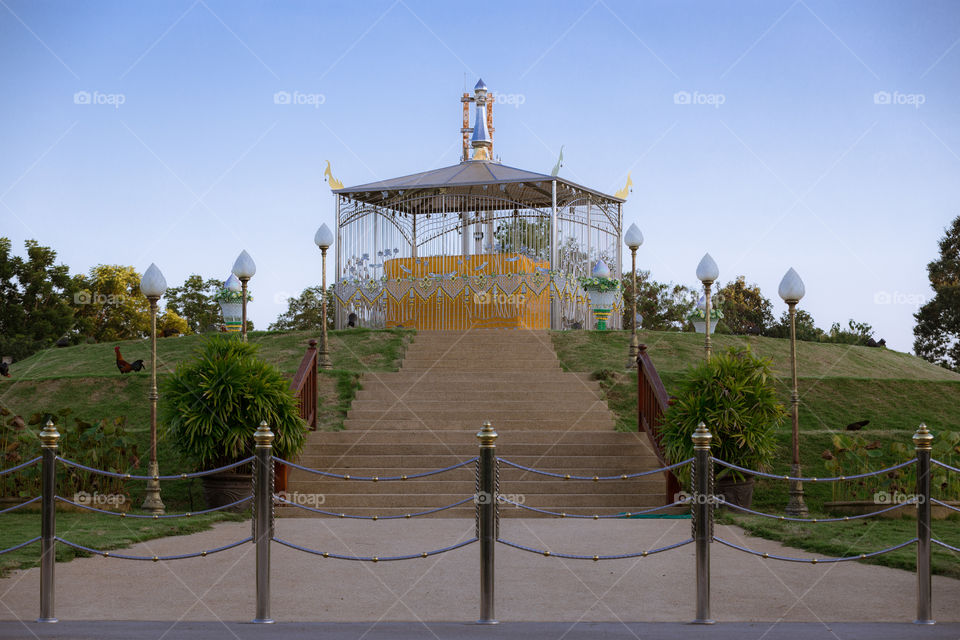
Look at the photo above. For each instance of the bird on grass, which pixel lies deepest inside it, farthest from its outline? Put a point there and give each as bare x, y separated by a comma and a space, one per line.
127, 367
4, 369
856, 426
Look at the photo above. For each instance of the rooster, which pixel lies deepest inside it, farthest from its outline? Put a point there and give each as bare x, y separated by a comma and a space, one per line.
4, 369
127, 367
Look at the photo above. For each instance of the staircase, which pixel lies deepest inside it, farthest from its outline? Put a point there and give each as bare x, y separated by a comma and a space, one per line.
426, 415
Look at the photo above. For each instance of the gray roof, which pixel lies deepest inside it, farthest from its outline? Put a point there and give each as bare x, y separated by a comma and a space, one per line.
474, 177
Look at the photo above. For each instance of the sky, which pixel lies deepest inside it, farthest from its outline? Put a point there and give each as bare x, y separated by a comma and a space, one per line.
822, 136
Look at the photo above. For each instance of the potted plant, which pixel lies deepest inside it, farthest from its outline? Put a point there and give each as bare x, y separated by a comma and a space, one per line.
230, 297
211, 407
733, 393
699, 317
602, 290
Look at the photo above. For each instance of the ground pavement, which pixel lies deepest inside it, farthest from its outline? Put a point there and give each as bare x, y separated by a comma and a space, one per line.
529, 587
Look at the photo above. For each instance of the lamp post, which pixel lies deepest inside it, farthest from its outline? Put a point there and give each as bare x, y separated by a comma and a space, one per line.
792, 290
707, 273
633, 239
323, 239
153, 285
244, 268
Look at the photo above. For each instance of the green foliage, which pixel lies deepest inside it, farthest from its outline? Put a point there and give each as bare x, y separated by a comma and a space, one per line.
211, 406
745, 309
806, 328
194, 302
305, 312
110, 306
853, 454
664, 306
35, 300
858, 333
104, 444
937, 333
735, 395
595, 283
169, 323
523, 236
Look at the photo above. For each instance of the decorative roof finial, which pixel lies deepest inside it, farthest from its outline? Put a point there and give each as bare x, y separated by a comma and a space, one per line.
481, 141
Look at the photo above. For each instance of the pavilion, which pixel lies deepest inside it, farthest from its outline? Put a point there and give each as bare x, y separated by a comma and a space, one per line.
475, 245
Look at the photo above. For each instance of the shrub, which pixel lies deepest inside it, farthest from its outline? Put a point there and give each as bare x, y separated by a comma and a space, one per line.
735, 396
212, 404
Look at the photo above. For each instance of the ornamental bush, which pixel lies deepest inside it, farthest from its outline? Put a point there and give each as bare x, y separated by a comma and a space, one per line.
211, 406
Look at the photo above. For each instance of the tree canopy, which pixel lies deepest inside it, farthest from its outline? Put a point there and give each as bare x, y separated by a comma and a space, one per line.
937, 332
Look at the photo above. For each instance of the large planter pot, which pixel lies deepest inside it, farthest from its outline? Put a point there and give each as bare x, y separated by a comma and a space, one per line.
861, 507
222, 488
736, 493
232, 315
701, 325
602, 303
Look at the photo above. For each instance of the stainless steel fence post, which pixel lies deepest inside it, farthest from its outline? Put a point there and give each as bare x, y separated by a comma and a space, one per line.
486, 502
263, 518
923, 442
49, 437
702, 518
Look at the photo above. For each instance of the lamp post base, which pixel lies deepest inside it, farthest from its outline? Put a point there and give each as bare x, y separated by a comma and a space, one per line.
796, 507
323, 360
152, 501
634, 351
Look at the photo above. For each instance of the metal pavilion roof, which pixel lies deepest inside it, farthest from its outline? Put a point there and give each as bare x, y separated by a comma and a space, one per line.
471, 178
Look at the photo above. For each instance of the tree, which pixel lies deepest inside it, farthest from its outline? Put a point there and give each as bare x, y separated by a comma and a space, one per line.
745, 309
169, 323
35, 297
937, 333
807, 329
305, 312
193, 301
858, 333
664, 306
109, 304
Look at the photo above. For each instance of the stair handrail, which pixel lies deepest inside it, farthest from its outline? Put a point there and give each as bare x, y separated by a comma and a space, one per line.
304, 386
652, 403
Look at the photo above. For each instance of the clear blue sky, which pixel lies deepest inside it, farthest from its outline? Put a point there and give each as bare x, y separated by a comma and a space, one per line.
799, 166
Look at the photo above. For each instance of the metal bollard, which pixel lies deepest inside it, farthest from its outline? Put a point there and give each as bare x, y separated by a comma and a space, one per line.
49, 437
263, 518
923, 442
702, 518
486, 501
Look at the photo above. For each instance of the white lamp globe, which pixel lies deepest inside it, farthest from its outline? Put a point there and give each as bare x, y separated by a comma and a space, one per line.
633, 237
244, 268
323, 237
232, 284
153, 284
707, 270
791, 287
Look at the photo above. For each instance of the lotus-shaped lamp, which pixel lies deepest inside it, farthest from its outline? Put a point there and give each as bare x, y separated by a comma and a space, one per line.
633, 237
244, 268
153, 284
707, 270
791, 287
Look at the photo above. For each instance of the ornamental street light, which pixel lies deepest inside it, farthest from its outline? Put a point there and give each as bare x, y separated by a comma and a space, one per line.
244, 268
323, 239
707, 273
633, 239
153, 285
792, 291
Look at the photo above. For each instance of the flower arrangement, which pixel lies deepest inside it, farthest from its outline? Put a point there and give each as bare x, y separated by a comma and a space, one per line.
599, 283
228, 296
698, 314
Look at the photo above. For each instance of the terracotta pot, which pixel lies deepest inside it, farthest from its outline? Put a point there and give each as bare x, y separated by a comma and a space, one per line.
738, 493
226, 487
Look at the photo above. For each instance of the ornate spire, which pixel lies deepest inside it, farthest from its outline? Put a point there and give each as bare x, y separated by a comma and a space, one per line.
481, 141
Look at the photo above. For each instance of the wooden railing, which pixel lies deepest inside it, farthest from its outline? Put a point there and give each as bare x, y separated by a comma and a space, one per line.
304, 386
652, 402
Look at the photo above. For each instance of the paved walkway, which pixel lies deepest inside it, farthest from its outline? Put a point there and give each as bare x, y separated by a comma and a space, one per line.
530, 587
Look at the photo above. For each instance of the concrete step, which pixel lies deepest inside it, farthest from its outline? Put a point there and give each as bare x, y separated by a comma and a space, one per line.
468, 450
469, 436
552, 424
595, 410
467, 511
407, 502
607, 464
303, 483
466, 397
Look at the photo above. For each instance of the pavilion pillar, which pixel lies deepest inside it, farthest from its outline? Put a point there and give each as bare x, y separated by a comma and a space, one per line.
555, 312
